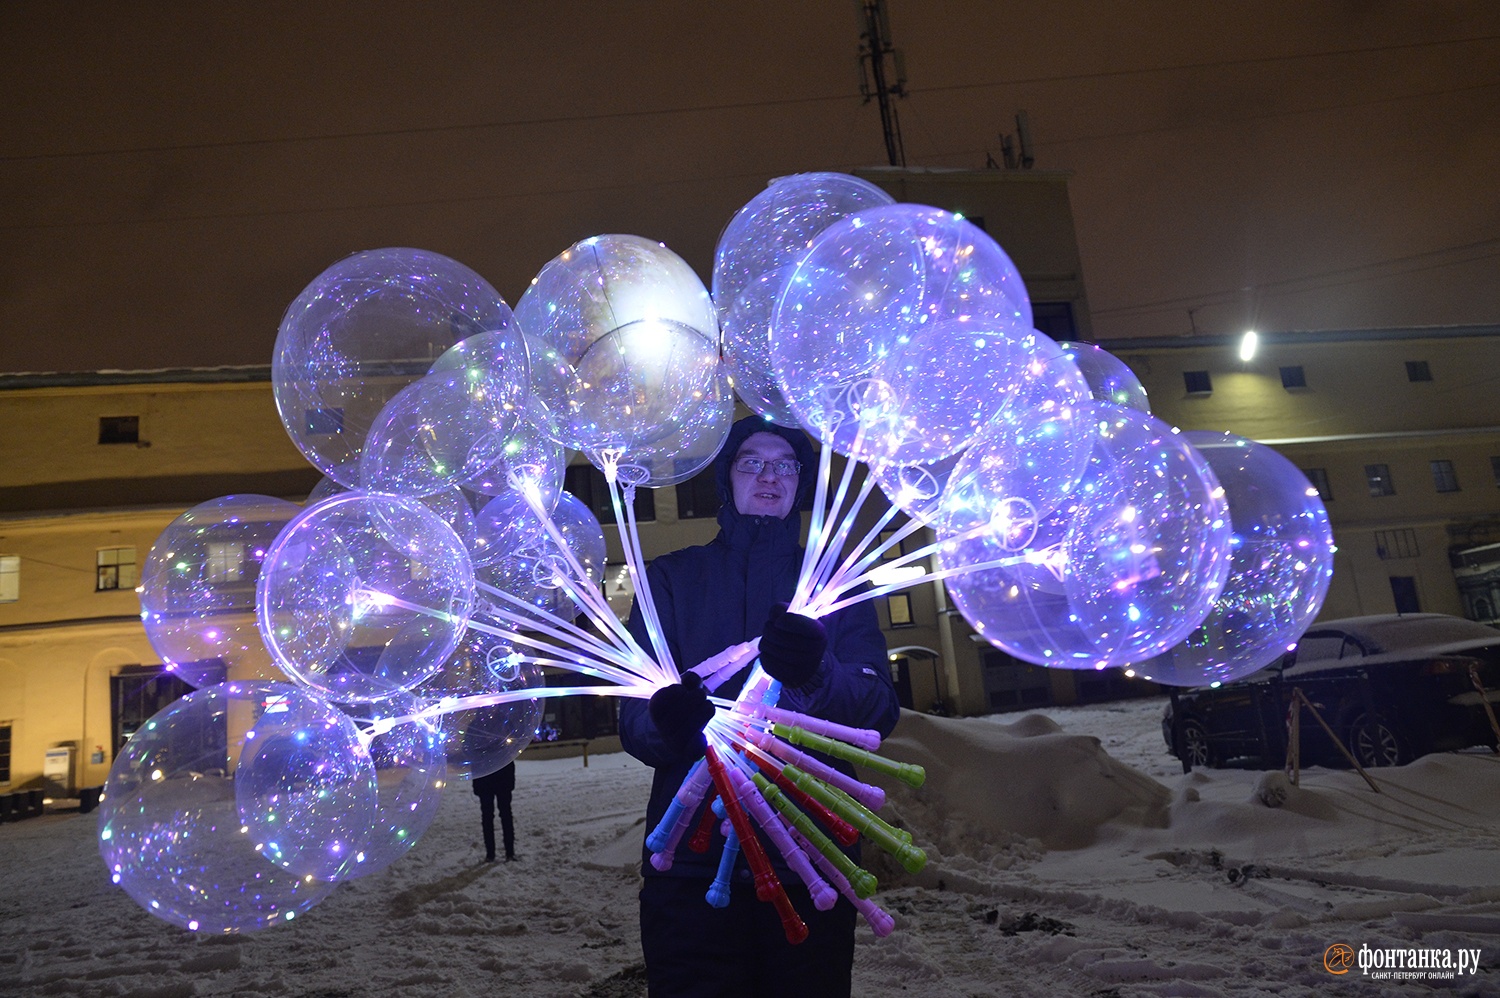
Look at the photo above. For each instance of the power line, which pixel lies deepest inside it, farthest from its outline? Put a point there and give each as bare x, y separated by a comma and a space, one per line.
733, 105
1315, 282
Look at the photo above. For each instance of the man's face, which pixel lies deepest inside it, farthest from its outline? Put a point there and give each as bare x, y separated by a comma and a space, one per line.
766, 493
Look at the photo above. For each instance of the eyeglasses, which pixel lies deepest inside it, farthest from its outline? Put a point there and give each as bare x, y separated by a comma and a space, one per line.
784, 468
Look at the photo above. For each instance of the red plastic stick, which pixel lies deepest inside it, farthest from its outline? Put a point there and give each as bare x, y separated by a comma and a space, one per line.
705, 830
767, 884
839, 830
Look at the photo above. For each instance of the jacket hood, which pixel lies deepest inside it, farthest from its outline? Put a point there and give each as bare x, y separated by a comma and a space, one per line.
738, 434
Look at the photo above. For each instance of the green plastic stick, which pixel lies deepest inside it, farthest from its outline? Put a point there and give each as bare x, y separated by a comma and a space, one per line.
871, 827
860, 879
911, 775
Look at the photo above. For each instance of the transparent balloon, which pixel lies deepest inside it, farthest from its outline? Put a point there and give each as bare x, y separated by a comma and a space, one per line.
305, 787
410, 773
198, 589
480, 740
447, 426
325, 489
362, 331
526, 454
643, 384
1280, 569
364, 594
170, 831
896, 329
1127, 568
757, 253
1110, 379
528, 564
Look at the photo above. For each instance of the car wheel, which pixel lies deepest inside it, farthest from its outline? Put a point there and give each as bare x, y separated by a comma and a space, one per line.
1194, 751
1375, 743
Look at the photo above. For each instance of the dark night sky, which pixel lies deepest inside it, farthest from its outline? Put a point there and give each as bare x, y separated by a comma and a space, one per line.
173, 173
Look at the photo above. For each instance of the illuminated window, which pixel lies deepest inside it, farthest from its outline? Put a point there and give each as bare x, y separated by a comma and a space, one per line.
226, 562
10, 578
116, 569
899, 607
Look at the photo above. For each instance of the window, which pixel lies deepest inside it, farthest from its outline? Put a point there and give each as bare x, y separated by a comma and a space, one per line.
1055, 318
119, 429
116, 569
898, 606
1379, 477
1319, 479
322, 422
10, 578
226, 562
1443, 478
698, 497
4, 753
1293, 377
1495, 470
1404, 592
587, 483
1417, 370
1396, 544
1197, 382
894, 551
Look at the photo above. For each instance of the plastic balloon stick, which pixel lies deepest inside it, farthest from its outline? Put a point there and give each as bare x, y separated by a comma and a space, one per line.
911, 775
704, 832
767, 885
870, 826
862, 880
679, 814
880, 921
841, 831
870, 796
823, 896
718, 891
861, 737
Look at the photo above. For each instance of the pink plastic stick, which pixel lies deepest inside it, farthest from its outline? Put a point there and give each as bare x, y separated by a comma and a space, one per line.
871, 797
823, 896
880, 921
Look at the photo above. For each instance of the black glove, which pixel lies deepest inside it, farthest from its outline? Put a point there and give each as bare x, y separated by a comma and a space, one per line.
792, 646
680, 711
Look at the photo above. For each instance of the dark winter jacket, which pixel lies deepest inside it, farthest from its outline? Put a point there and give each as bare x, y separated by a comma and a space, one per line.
720, 594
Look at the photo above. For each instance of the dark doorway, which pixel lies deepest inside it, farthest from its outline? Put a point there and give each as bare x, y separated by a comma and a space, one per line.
1404, 589
137, 694
901, 676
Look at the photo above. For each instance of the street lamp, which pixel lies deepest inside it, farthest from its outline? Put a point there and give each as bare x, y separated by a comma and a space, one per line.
1248, 343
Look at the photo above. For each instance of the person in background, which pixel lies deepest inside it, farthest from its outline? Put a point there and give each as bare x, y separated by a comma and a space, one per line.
494, 790
731, 590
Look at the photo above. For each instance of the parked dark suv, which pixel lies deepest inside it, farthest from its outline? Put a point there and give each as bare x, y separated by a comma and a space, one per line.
1392, 687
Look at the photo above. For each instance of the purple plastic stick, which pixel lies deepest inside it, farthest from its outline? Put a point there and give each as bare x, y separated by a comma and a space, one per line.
870, 796
880, 921
862, 737
674, 823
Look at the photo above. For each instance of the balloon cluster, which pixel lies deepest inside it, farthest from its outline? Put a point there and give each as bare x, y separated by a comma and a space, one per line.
356, 653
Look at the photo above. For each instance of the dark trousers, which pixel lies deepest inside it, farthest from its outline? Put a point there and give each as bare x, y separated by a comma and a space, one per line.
694, 950
488, 804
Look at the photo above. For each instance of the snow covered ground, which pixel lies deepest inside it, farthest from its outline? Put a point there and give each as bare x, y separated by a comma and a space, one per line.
1069, 856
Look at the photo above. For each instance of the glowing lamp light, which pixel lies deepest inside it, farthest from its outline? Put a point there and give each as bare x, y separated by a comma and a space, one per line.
1248, 344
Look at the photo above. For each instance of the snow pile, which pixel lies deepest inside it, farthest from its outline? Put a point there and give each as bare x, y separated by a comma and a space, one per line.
1069, 856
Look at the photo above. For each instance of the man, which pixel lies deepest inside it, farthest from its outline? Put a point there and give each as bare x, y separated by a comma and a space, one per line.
708, 598
494, 791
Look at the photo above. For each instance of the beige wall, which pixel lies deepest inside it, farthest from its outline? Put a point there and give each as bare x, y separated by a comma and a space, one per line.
1359, 408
